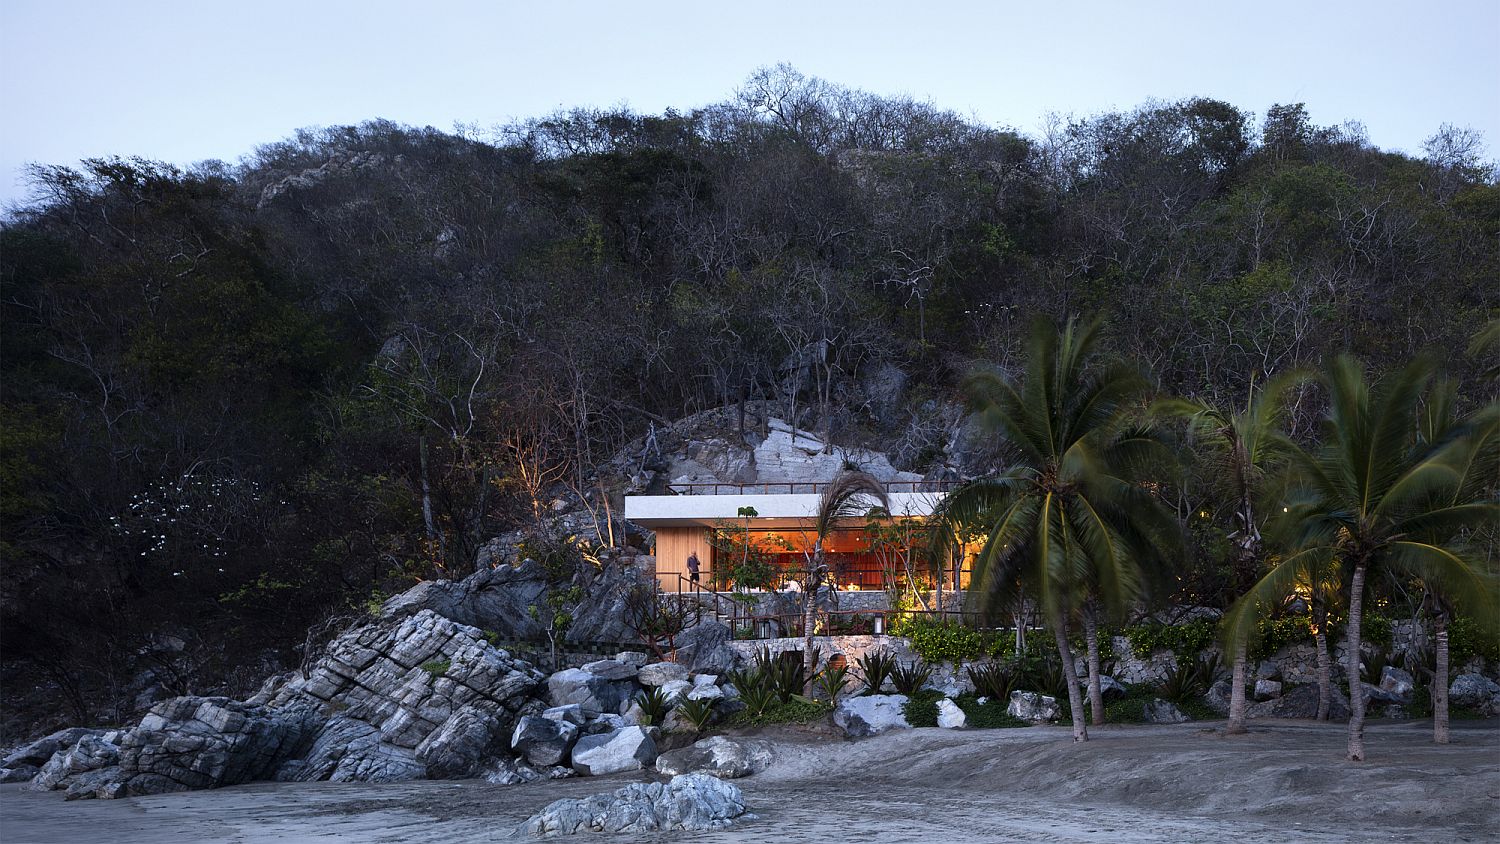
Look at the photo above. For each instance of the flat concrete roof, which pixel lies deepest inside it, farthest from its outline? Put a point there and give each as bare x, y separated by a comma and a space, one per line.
705, 510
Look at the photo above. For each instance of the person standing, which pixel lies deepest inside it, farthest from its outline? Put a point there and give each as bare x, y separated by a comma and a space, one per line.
692, 567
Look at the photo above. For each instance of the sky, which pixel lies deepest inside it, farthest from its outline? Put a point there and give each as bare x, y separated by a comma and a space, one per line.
188, 81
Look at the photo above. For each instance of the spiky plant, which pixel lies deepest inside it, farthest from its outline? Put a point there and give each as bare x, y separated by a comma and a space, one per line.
849, 495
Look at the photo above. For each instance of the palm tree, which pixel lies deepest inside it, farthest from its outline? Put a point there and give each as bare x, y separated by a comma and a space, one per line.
1378, 498
846, 496
1248, 451
1063, 521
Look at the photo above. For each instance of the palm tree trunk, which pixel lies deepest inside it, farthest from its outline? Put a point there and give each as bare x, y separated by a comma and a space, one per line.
1237, 692
1070, 676
809, 613
1096, 694
1325, 666
1356, 693
1440, 680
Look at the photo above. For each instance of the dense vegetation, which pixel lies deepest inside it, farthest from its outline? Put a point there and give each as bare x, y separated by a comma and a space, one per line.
238, 399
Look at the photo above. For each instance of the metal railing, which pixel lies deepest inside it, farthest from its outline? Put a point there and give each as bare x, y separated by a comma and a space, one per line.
809, 488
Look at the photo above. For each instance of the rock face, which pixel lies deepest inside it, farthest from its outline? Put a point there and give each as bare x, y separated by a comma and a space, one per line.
1160, 711
1472, 690
543, 741
26, 761
949, 716
868, 715
661, 673
718, 757
1034, 707
704, 648
1397, 683
499, 599
688, 802
1267, 689
624, 749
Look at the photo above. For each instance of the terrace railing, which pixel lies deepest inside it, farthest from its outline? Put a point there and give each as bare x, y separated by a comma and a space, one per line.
808, 488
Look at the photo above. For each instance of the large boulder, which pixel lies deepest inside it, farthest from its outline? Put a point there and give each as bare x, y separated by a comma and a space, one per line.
949, 716
1267, 689
593, 693
1217, 697
611, 669
543, 741
624, 749
1033, 706
661, 673
868, 715
704, 648
1301, 701
689, 802
1396, 683
88, 754
718, 757
1472, 690
1159, 711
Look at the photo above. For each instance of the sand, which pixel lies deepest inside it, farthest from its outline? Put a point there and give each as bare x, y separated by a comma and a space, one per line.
1284, 782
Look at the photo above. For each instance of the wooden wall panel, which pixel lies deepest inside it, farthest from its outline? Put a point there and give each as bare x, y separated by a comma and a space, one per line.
673, 545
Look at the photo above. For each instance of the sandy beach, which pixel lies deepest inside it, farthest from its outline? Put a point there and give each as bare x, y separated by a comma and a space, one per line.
1284, 782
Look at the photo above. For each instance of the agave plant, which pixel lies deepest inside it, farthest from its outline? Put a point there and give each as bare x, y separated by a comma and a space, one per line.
759, 698
911, 677
831, 681
654, 705
697, 712
994, 680
874, 668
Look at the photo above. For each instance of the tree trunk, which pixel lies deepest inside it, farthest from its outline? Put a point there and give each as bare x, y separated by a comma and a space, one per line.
1356, 694
1236, 724
809, 612
1070, 676
427, 520
1096, 694
1325, 665
1440, 679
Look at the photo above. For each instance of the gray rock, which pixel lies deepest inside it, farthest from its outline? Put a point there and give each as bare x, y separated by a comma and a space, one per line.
661, 673
705, 679
625, 749
705, 692
1267, 689
543, 741
688, 802
594, 694
20, 773
1472, 690
572, 713
1217, 697
463, 746
634, 659
676, 690
1110, 688
611, 669
351, 750
1374, 695
950, 717
717, 756
704, 648
868, 715
1267, 670
1034, 707
65, 768
1397, 683
1160, 711
511, 772
1301, 701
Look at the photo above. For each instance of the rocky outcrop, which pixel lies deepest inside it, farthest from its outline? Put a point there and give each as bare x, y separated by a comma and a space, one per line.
592, 693
689, 802
1158, 711
542, 741
704, 648
499, 599
399, 699
26, 761
868, 715
1301, 701
717, 756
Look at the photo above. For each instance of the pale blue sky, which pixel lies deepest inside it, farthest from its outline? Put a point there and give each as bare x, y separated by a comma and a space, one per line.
187, 81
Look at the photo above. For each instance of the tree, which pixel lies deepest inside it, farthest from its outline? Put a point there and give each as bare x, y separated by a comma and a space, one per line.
1064, 520
1374, 497
847, 496
1246, 451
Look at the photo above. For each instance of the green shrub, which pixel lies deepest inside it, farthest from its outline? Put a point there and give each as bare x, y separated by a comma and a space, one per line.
799, 710
988, 715
1467, 639
921, 708
1273, 634
1184, 640
784, 672
831, 682
437, 667
943, 641
993, 679
759, 699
